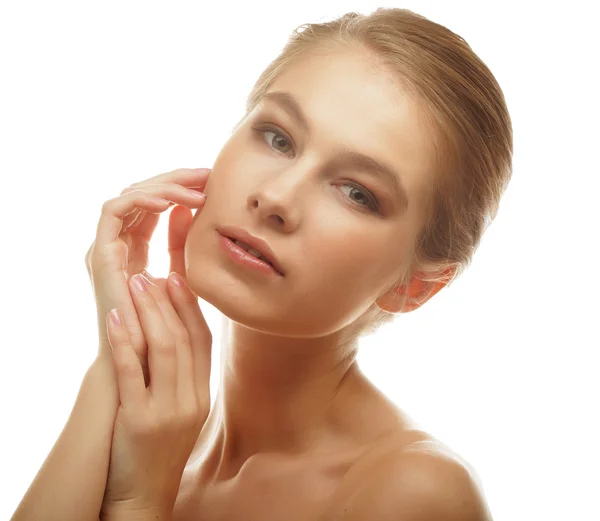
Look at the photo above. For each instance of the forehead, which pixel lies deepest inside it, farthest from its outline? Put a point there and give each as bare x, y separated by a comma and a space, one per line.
353, 104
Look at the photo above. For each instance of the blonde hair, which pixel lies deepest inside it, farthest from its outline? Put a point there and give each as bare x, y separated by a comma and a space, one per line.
466, 109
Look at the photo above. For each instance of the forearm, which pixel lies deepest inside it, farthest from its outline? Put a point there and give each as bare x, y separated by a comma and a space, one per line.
137, 515
130, 516
71, 482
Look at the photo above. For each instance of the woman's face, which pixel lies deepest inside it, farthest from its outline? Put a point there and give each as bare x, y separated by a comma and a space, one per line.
342, 234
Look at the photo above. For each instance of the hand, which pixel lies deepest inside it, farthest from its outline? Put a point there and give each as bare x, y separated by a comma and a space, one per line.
156, 428
120, 248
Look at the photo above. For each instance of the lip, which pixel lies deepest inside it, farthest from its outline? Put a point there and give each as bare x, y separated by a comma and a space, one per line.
235, 232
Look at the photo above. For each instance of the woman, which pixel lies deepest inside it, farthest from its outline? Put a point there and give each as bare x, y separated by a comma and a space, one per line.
372, 156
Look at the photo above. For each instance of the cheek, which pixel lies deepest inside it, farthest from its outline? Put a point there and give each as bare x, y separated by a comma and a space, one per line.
348, 253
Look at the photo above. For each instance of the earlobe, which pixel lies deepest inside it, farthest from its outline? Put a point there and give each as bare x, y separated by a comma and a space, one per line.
408, 297
395, 300
422, 294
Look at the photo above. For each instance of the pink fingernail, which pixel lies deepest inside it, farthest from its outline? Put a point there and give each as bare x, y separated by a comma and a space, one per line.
176, 279
138, 282
114, 317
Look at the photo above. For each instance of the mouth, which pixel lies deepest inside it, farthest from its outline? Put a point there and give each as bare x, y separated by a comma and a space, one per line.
253, 245
254, 252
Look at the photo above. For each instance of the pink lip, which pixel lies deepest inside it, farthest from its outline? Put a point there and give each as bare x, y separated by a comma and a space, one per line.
244, 258
257, 243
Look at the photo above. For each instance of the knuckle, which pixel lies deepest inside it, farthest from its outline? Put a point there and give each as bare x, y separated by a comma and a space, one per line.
147, 425
164, 421
106, 254
132, 187
107, 206
136, 190
181, 336
126, 367
137, 340
166, 347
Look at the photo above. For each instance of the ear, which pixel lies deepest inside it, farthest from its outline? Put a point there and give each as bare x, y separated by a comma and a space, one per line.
415, 293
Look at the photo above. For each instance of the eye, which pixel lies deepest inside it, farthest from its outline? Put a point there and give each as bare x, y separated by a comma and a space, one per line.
366, 196
270, 141
370, 199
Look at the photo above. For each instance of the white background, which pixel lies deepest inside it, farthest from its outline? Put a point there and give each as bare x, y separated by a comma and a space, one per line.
501, 366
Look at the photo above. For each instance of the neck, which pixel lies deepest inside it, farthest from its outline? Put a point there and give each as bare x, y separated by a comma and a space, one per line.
276, 395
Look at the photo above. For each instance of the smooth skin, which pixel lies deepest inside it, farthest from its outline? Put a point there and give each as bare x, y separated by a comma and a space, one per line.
297, 431
294, 417
121, 246
71, 483
157, 426
116, 259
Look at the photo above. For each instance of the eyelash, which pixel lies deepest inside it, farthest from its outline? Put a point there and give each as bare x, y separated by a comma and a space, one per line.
373, 203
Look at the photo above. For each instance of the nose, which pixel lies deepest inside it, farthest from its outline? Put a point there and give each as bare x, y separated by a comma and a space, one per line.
269, 209
277, 199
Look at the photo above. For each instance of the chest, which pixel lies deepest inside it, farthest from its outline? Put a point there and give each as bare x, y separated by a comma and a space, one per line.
291, 492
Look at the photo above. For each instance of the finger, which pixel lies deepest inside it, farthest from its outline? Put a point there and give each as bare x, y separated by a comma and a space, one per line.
130, 220
185, 374
157, 281
165, 190
186, 386
162, 353
180, 222
146, 223
130, 377
115, 210
186, 305
182, 176
112, 288
154, 198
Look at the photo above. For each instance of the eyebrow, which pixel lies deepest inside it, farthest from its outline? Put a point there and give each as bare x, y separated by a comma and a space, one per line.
378, 169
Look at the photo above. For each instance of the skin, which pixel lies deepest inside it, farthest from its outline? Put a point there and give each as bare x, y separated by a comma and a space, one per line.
290, 384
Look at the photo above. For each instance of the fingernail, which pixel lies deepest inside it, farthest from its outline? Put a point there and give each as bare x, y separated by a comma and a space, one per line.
114, 317
176, 279
138, 282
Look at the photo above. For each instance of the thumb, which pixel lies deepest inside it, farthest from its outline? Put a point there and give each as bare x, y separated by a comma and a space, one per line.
180, 221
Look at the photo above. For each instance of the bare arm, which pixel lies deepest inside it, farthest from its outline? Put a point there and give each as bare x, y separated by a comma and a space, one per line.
71, 482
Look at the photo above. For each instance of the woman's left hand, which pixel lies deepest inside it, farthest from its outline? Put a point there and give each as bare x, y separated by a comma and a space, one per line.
157, 427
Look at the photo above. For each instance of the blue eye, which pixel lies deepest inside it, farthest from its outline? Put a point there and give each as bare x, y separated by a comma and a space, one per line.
370, 198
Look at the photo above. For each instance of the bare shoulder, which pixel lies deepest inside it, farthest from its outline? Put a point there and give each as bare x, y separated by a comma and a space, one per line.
417, 480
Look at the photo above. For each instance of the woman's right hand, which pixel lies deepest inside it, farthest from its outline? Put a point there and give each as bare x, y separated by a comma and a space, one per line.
121, 246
